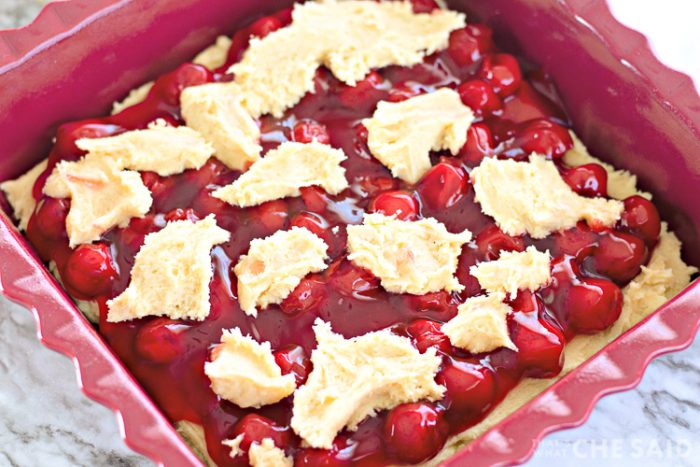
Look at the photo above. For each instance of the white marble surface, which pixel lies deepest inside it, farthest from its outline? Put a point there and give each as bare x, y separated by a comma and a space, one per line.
45, 419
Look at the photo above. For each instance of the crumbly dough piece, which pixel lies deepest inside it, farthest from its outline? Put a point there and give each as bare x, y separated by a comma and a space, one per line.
266, 454
286, 169
102, 196
215, 111
275, 265
215, 55
235, 445
402, 134
481, 324
409, 257
349, 37
367, 35
243, 371
537, 201
621, 183
160, 148
171, 273
513, 271
354, 378
19, 193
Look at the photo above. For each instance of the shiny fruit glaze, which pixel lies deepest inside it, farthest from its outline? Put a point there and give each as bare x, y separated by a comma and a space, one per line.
514, 118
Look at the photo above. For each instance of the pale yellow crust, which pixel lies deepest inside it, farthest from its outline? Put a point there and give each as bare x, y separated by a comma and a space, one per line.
136, 96
19, 193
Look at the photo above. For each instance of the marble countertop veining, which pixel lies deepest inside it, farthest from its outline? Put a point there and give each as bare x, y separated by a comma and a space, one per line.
46, 420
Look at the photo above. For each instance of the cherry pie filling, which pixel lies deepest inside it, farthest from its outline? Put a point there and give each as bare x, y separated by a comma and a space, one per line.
517, 113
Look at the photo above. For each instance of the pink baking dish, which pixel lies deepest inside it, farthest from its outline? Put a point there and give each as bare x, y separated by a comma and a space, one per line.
80, 55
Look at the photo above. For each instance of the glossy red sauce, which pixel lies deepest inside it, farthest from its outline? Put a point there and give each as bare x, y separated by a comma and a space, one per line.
518, 113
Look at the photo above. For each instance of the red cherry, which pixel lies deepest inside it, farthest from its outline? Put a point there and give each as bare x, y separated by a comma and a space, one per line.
502, 72
619, 256
180, 214
306, 296
154, 183
469, 44
467, 259
354, 281
293, 360
272, 215
89, 270
311, 221
415, 432
579, 241
133, 236
49, 217
540, 344
424, 6
68, 133
480, 97
479, 144
307, 131
210, 173
443, 186
545, 138
641, 218
368, 186
587, 180
264, 26
38, 187
255, 428
239, 44
365, 94
360, 142
403, 91
340, 454
441, 302
426, 334
470, 387
399, 203
593, 305
314, 198
525, 301
170, 86
565, 270
205, 204
284, 16
491, 241
160, 340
